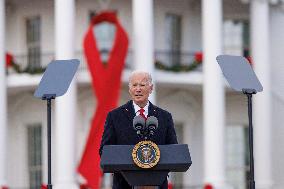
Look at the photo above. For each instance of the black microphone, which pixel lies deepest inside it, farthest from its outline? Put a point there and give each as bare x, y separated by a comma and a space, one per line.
152, 125
139, 125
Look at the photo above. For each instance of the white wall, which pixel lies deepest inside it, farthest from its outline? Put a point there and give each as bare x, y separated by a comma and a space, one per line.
23, 109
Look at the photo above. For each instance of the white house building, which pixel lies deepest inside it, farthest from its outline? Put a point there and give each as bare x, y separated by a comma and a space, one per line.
209, 116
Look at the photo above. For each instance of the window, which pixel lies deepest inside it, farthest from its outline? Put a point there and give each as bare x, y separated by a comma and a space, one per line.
33, 42
104, 33
173, 38
35, 155
237, 168
91, 15
236, 37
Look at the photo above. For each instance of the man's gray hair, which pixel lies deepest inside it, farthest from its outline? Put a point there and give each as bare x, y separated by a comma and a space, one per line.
147, 74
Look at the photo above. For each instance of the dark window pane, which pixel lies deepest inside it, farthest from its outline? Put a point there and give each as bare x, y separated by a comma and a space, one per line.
34, 155
33, 26
173, 38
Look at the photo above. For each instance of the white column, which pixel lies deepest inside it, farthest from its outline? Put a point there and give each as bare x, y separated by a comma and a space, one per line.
262, 101
65, 107
3, 98
143, 37
213, 95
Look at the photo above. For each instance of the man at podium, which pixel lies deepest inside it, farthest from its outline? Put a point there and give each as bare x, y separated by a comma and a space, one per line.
119, 129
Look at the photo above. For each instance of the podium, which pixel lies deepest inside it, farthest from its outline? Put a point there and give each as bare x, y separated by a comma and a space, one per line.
118, 158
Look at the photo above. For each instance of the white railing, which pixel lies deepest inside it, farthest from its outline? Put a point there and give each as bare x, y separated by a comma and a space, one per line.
167, 59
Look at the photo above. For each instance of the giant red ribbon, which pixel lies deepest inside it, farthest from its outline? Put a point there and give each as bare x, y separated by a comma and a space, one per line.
106, 81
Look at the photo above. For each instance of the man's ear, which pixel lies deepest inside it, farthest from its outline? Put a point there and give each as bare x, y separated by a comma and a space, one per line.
151, 88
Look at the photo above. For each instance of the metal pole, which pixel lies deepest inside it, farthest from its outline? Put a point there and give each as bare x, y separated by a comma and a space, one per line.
49, 185
251, 177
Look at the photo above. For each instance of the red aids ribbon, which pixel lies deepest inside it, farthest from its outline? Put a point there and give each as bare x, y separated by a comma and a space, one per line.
106, 81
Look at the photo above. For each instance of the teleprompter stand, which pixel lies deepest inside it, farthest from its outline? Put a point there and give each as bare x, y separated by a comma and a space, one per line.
54, 83
242, 78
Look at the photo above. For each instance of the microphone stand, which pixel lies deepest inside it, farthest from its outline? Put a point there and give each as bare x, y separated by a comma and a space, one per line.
145, 136
145, 131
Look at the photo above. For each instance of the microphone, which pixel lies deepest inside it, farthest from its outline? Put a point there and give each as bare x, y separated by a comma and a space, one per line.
152, 125
139, 124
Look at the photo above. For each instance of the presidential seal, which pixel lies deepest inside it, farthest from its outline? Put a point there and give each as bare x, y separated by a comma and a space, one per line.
146, 154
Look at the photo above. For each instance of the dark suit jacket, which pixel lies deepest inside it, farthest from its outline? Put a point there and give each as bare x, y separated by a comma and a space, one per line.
118, 129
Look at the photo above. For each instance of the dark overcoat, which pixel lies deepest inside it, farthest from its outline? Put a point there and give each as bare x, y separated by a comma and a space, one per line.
119, 130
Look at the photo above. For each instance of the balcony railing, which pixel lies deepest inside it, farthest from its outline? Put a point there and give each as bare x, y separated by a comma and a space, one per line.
167, 60
177, 61
174, 187
172, 58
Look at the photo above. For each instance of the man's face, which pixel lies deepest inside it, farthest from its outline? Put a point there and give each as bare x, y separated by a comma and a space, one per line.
140, 89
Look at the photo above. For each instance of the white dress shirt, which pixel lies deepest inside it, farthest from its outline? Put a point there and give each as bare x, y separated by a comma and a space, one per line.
137, 108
